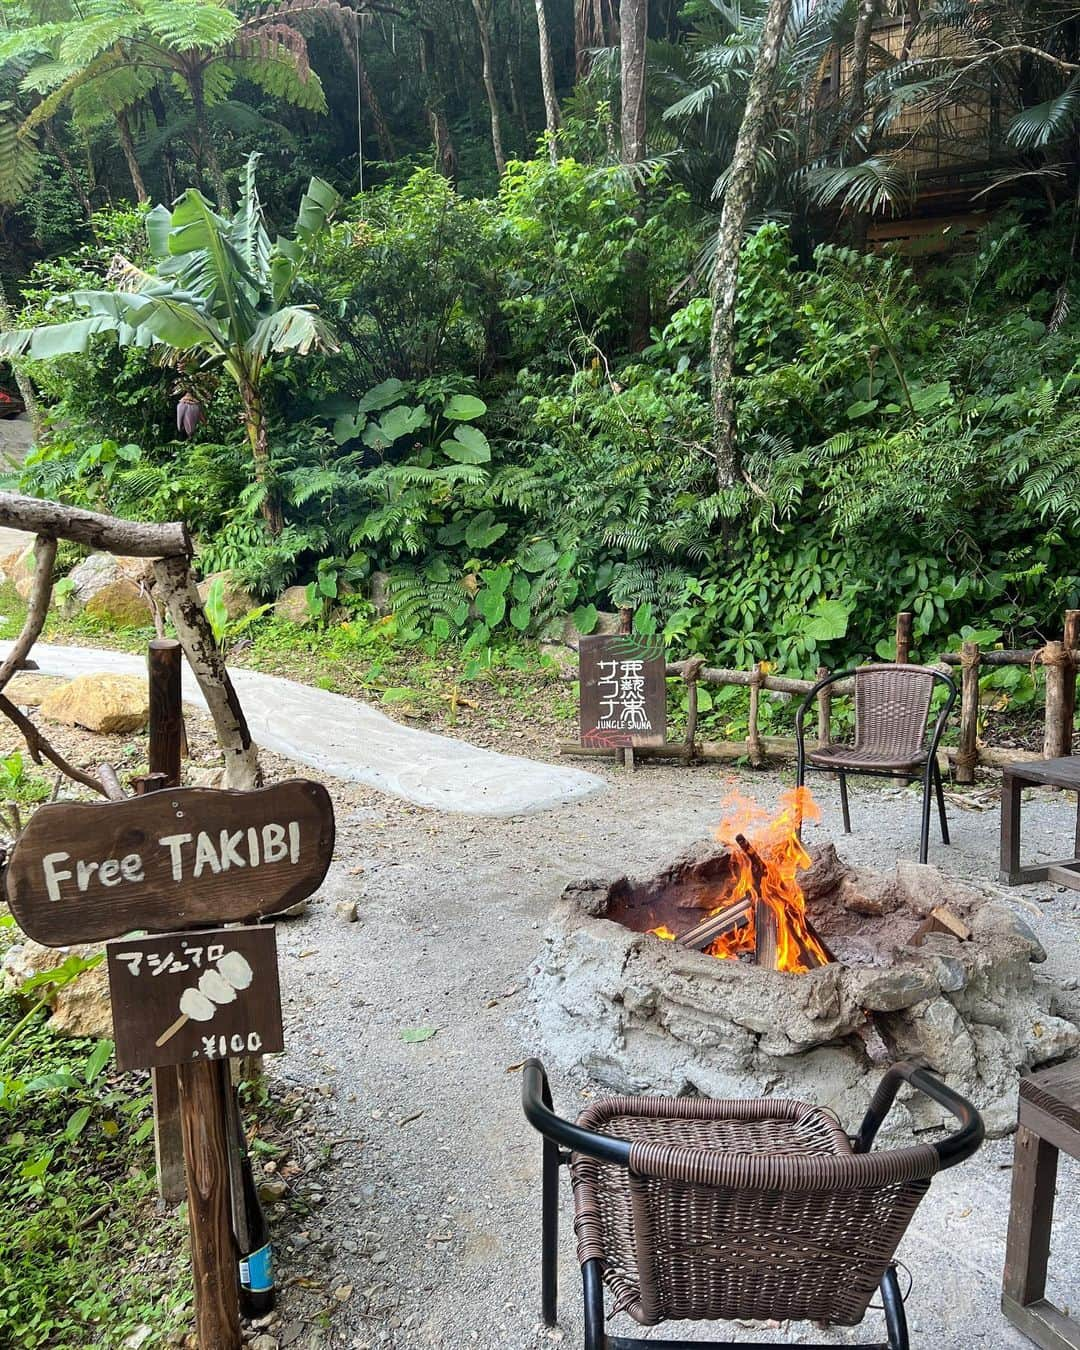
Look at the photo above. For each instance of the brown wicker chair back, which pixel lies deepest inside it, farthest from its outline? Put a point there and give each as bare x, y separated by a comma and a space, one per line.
741, 1209
892, 704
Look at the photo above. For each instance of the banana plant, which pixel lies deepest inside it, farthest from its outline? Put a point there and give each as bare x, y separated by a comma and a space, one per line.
218, 287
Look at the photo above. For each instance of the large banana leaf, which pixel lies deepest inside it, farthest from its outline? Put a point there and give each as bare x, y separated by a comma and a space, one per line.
296, 328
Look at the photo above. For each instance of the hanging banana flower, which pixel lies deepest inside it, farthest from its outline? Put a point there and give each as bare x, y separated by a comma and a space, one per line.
190, 415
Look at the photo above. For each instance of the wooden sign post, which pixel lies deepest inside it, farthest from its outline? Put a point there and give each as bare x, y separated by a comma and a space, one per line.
623, 681
172, 862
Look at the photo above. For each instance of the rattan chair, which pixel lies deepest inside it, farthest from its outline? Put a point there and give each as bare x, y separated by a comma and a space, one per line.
892, 706
688, 1208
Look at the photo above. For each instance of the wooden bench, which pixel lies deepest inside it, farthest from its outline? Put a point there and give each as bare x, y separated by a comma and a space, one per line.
1060, 773
1049, 1121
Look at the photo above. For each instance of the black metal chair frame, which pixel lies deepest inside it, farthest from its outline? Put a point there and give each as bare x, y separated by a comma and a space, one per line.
930, 773
562, 1138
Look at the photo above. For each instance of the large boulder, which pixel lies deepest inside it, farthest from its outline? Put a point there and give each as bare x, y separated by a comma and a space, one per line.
18, 568
291, 606
80, 1008
116, 590
27, 690
109, 704
236, 597
565, 631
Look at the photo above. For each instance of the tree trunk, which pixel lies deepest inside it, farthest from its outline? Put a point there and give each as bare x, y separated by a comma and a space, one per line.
259, 440
157, 104
72, 175
123, 131
547, 81
382, 131
856, 102
725, 277
483, 17
634, 17
435, 105
206, 152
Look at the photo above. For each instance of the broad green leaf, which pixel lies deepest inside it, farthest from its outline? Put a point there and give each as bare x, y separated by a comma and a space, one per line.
77, 1122
348, 426
520, 617
468, 445
381, 396
464, 408
98, 1059
522, 587
47, 1082
491, 606
483, 530
927, 396
861, 408
827, 621
585, 617
413, 1035
497, 578
538, 557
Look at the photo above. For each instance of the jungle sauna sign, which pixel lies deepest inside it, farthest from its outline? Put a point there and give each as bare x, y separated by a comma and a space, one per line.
623, 692
177, 864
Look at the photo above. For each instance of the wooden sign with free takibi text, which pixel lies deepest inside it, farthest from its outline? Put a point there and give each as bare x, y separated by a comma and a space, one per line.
623, 682
200, 995
175, 859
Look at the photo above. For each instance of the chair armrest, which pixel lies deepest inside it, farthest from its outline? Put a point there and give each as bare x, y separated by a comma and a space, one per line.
958, 1146
537, 1104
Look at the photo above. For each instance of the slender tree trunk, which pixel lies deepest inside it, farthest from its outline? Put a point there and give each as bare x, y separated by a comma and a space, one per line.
725, 277
856, 102
633, 29
435, 104
547, 82
259, 440
69, 169
123, 131
483, 23
207, 153
157, 105
371, 98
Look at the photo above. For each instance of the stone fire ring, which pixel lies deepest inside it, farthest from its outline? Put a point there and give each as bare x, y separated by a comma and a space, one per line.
638, 1014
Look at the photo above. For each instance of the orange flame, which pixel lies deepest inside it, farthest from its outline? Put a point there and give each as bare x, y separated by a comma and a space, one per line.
767, 874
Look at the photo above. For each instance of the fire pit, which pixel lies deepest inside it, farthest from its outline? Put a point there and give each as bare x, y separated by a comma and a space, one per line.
758, 968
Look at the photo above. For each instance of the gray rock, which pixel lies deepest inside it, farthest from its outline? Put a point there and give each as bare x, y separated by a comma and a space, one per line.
894, 987
346, 910
272, 1189
379, 592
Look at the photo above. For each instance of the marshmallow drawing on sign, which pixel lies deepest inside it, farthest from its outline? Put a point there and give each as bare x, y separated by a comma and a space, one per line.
200, 1002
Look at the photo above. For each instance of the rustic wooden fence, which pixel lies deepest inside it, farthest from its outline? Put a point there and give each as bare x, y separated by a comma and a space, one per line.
1058, 658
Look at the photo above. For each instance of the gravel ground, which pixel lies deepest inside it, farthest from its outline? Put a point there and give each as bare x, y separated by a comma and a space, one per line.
409, 1215
422, 1227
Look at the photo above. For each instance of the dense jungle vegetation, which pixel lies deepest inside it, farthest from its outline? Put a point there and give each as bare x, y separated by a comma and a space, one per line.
478, 360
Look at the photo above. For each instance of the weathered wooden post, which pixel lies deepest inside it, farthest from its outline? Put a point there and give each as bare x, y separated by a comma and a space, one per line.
904, 621
165, 734
754, 747
1057, 740
690, 675
204, 1124
967, 753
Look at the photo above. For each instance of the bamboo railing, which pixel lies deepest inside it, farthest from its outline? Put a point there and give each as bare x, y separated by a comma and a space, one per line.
1058, 658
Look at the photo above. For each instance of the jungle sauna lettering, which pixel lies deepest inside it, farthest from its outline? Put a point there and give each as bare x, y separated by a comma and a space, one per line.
623, 692
177, 864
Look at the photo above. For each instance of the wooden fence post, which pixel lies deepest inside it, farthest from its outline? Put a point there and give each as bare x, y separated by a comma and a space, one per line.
690, 675
754, 747
1071, 639
165, 734
904, 621
1057, 740
967, 752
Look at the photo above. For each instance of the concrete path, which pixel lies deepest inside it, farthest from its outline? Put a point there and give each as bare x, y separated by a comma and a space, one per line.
340, 736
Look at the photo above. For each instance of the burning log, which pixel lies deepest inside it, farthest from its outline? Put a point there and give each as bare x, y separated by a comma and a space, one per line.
765, 935
717, 925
